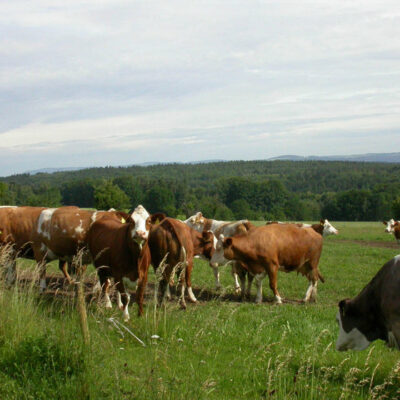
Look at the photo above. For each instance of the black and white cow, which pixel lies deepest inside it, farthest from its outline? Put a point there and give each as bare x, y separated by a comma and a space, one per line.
374, 313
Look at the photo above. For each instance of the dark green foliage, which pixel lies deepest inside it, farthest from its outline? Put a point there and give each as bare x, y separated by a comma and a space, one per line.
286, 190
107, 195
78, 193
160, 198
396, 207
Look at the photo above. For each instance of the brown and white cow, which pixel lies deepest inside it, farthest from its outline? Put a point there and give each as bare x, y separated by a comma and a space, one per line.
389, 225
118, 252
226, 228
16, 226
178, 244
60, 233
374, 313
393, 227
266, 249
324, 228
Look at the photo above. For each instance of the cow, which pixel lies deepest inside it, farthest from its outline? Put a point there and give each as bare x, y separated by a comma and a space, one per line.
16, 226
396, 231
60, 233
374, 313
389, 225
201, 224
266, 249
394, 227
324, 227
177, 243
118, 251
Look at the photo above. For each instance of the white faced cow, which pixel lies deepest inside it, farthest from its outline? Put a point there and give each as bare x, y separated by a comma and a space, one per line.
201, 224
389, 225
374, 313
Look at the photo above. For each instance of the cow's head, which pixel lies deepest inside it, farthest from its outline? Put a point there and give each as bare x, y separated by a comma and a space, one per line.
389, 225
352, 324
140, 223
196, 221
208, 244
218, 257
328, 228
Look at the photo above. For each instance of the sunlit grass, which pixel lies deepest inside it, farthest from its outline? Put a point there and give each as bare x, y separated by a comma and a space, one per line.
217, 349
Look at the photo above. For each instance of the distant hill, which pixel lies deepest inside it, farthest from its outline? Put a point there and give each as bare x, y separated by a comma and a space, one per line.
145, 164
369, 157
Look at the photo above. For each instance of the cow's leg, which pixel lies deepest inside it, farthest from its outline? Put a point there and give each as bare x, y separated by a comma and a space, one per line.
273, 282
181, 288
105, 285
236, 268
42, 275
188, 280
311, 293
63, 266
119, 302
143, 269
250, 278
216, 276
124, 298
106, 288
168, 292
259, 279
162, 289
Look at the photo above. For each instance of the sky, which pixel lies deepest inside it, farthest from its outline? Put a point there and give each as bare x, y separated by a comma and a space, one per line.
119, 82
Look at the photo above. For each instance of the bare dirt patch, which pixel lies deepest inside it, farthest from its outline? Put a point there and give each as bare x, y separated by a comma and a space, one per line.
58, 288
366, 243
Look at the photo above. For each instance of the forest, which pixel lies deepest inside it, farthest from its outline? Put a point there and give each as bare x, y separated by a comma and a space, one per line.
257, 190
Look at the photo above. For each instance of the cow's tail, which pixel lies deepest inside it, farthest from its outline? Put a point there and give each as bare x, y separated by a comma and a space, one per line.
321, 278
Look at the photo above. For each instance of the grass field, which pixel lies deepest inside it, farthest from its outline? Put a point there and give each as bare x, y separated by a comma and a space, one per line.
216, 349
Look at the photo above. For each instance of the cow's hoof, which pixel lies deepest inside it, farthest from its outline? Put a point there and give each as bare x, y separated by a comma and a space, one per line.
182, 305
238, 290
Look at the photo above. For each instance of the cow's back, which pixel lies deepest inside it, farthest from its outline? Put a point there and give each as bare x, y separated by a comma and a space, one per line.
18, 223
289, 244
169, 236
107, 240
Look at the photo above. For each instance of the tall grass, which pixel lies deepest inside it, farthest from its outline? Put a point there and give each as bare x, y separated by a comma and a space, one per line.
216, 349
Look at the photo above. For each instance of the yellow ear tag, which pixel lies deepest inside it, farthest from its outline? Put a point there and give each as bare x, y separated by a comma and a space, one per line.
123, 220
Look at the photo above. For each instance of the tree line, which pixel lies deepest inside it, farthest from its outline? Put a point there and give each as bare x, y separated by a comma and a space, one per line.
283, 190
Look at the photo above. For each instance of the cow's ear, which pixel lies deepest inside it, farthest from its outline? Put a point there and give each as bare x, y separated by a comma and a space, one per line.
227, 242
322, 222
156, 218
200, 214
384, 222
123, 216
396, 223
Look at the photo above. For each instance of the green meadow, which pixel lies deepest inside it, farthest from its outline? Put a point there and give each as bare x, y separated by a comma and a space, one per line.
218, 348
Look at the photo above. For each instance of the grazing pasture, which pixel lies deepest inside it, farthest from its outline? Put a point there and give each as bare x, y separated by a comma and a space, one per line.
218, 348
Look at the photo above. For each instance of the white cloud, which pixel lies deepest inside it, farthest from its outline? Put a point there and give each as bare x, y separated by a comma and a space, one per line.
175, 74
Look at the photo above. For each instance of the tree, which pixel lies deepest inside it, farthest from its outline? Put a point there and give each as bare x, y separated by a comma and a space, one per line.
160, 199
107, 195
78, 193
132, 188
396, 208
